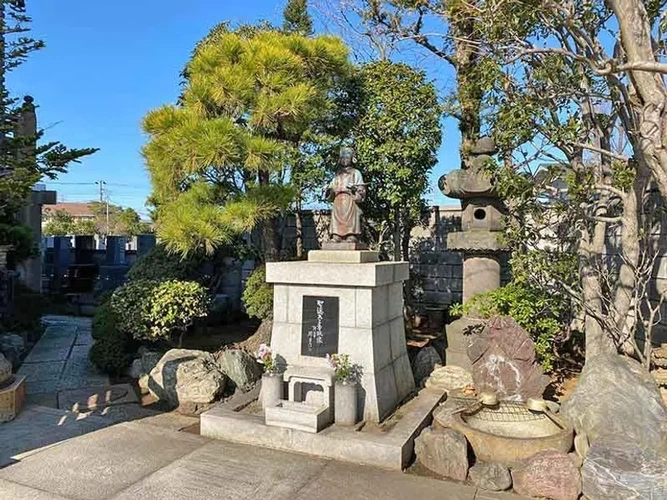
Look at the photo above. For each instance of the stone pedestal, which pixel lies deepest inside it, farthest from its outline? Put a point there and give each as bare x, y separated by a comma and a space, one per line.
481, 274
340, 302
459, 336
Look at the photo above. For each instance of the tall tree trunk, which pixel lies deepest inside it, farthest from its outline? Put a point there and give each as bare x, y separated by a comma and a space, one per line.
397, 234
591, 249
650, 144
405, 236
268, 227
468, 89
298, 215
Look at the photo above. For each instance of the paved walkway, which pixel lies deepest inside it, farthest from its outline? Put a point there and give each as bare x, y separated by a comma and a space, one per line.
59, 361
145, 459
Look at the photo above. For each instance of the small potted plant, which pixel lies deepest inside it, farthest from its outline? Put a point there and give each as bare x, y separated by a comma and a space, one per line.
345, 393
272, 381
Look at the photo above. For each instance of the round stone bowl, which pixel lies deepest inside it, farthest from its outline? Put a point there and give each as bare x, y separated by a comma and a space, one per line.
509, 432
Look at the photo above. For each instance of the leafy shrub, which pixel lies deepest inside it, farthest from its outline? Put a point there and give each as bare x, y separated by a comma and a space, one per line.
111, 355
156, 310
103, 321
174, 306
22, 241
29, 306
258, 295
113, 349
160, 264
540, 314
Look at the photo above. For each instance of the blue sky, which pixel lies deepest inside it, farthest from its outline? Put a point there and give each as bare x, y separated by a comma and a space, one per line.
107, 63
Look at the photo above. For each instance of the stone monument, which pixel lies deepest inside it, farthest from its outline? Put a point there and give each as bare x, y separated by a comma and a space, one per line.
342, 300
31, 213
481, 224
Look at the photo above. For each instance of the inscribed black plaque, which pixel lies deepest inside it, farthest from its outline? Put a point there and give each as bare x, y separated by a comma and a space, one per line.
319, 330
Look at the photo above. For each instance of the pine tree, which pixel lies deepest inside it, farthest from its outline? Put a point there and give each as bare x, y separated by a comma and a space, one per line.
297, 19
218, 158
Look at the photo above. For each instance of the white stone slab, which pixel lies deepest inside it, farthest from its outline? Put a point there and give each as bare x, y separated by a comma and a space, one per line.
392, 450
299, 416
344, 256
369, 274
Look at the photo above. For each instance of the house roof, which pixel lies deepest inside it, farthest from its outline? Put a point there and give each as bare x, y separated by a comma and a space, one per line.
74, 209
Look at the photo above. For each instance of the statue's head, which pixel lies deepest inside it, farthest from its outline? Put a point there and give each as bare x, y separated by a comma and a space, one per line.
346, 157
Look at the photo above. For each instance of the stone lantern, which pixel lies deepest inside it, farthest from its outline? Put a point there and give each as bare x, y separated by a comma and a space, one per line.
481, 224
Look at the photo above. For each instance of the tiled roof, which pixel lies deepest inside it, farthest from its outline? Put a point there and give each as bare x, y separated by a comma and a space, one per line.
74, 209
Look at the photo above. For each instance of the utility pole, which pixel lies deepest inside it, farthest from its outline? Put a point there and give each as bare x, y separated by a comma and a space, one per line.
104, 199
107, 214
101, 184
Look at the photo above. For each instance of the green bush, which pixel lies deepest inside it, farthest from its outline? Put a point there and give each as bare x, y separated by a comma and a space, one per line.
258, 295
22, 241
541, 315
174, 306
160, 264
158, 310
110, 354
113, 349
103, 321
26, 315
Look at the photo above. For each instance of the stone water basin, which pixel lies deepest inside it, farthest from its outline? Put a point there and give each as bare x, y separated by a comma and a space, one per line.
509, 432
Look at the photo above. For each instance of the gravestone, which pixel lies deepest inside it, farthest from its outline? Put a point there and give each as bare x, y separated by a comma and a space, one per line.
145, 243
84, 249
62, 258
115, 254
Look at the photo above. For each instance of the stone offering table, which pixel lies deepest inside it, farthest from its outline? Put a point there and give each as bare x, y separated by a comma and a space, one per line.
345, 301
303, 410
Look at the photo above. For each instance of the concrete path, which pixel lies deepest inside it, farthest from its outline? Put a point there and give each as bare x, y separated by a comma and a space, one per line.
59, 361
145, 459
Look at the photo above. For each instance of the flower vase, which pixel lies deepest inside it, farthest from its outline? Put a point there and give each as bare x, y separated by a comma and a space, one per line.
345, 403
272, 389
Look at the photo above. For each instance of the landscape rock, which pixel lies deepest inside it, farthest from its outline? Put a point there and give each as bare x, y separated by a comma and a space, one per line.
503, 361
240, 367
424, 363
490, 476
449, 378
136, 369
149, 359
617, 469
187, 377
616, 396
143, 384
443, 451
5, 369
549, 474
12, 346
576, 459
